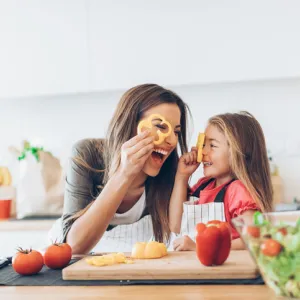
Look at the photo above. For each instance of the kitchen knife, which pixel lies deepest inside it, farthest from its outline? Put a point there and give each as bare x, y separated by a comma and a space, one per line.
5, 261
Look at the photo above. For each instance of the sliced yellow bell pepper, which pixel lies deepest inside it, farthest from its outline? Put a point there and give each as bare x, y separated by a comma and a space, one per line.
147, 123
200, 142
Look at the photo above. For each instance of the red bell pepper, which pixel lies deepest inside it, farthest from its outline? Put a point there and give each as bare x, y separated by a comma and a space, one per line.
213, 242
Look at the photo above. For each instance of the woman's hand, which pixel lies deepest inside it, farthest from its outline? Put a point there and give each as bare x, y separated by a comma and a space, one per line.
134, 154
188, 164
184, 243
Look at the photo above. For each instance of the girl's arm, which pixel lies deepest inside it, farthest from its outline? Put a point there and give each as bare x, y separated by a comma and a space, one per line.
238, 244
187, 165
89, 227
184, 243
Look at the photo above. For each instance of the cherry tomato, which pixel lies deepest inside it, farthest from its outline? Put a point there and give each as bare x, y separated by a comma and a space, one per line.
283, 230
270, 247
27, 262
253, 231
57, 256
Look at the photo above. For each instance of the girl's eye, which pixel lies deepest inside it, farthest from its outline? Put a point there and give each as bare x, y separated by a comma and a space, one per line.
177, 133
213, 146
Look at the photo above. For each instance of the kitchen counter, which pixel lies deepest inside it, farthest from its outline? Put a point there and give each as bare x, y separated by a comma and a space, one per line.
208, 292
25, 225
232, 292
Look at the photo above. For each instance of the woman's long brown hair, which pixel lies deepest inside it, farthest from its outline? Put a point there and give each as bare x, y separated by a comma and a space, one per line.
248, 154
130, 110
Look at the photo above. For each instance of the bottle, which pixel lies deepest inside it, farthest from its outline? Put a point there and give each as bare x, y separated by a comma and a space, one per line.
272, 166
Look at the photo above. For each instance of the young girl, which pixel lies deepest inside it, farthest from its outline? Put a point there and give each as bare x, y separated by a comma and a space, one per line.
236, 171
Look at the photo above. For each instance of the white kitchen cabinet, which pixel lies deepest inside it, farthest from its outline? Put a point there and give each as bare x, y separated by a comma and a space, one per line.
176, 42
43, 47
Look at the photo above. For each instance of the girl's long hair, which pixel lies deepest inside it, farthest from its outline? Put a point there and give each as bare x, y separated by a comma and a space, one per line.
248, 154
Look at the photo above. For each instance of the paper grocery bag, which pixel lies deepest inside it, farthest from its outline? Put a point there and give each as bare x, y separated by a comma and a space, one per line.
40, 189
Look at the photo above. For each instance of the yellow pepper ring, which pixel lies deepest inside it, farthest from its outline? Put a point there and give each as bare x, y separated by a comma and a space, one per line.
147, 123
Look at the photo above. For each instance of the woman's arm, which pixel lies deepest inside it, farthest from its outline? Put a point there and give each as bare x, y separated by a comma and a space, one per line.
89, 228
86, 231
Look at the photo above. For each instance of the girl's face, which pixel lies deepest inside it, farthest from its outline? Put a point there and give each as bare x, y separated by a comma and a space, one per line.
171, 113
215, 154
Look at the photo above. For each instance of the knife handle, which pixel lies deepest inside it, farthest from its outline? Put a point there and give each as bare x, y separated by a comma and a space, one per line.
4, 262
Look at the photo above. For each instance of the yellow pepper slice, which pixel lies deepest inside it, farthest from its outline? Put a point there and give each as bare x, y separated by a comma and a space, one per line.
147, 123
109, 259
200, 142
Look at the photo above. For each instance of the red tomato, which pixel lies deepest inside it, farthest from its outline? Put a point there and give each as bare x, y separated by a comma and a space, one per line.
270, 247
283, 231
253, 231
27, 262
57, 256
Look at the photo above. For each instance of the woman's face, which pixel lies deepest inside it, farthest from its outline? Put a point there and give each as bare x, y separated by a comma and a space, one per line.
171, 113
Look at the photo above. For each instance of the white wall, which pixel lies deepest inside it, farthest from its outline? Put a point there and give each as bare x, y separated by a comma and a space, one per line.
57, 122
43, 47
68, 46
192, 41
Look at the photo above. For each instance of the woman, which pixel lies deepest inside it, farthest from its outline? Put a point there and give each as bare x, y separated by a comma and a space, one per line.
119, 187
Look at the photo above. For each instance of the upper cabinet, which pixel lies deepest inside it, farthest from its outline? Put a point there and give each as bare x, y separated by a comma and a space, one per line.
71, 46
175, 42
43, 47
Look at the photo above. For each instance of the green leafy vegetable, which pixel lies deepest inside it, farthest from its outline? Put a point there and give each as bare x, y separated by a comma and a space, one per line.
33, 150
259, 219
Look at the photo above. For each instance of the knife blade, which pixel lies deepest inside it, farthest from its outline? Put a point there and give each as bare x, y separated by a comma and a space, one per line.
77, 256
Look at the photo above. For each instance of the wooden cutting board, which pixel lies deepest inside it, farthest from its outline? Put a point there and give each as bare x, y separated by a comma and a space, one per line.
176, 265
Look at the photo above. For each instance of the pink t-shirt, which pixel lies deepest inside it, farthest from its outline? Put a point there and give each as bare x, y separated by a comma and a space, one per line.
236, 200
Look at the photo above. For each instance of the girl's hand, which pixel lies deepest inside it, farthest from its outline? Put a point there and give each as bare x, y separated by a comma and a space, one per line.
184, 243
134, 154
188, 164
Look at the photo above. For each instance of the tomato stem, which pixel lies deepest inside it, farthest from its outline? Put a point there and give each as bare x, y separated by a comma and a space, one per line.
24, 251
